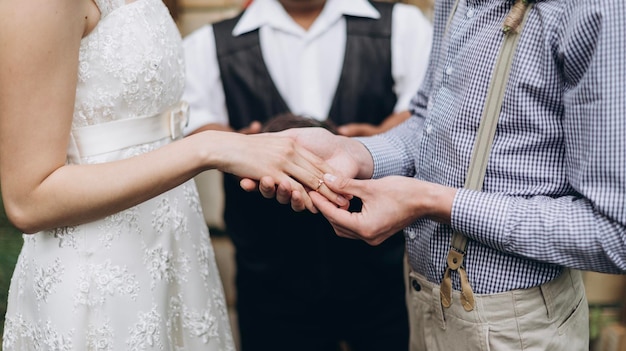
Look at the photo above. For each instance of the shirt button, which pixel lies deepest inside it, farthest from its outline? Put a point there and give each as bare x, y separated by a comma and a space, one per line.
470, 13
416, 285
449, 70
430, 104
429, 129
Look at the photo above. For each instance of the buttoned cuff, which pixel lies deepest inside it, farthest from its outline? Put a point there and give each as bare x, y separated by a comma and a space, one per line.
482, 217
385, 156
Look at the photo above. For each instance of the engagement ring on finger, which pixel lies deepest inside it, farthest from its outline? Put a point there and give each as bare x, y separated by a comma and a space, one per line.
319, 184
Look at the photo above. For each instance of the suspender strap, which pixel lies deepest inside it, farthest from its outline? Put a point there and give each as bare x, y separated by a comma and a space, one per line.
478, 164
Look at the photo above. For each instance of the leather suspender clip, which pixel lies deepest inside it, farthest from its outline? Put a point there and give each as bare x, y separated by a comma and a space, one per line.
480, 155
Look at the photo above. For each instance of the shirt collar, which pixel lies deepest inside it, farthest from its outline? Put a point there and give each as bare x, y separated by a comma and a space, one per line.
271, 13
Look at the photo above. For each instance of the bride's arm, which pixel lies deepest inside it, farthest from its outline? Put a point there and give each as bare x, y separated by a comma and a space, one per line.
39, 43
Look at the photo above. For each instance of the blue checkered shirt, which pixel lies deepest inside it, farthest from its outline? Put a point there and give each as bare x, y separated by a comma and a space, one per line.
554, 194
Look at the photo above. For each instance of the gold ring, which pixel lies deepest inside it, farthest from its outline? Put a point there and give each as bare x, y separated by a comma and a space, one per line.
319, 184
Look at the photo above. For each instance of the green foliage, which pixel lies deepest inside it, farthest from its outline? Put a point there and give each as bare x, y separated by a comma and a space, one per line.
10, 245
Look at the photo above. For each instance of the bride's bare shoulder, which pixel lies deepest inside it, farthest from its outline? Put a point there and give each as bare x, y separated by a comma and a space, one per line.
29, 16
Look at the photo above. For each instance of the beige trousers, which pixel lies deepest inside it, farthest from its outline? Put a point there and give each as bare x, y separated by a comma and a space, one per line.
551, 317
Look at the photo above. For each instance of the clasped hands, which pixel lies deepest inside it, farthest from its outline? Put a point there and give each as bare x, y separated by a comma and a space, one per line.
319, 171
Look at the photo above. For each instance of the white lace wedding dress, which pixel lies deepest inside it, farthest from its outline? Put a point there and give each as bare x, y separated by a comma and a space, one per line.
144, 278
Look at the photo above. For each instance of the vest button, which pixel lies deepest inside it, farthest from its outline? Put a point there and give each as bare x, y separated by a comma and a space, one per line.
416, 285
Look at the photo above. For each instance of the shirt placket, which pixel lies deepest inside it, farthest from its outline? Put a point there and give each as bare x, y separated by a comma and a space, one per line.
442, 99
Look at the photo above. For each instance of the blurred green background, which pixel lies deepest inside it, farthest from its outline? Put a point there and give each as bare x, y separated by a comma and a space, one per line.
10, 245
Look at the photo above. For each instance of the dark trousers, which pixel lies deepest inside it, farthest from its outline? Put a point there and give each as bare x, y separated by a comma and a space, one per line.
295, 307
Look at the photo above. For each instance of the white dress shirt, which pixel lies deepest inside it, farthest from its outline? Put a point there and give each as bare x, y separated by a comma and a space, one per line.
305, 65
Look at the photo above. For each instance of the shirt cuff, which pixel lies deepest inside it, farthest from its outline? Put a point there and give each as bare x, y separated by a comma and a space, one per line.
482, 217
384, 154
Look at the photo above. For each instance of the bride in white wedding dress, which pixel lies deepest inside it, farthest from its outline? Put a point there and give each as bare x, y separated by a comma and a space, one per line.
118, 256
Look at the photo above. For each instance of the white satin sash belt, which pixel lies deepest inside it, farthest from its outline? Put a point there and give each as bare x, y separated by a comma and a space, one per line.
116, 135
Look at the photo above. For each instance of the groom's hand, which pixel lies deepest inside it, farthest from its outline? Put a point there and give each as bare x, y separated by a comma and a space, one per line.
389, 205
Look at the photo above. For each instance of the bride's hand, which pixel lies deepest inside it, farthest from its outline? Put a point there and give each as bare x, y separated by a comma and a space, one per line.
282, 168
348, 156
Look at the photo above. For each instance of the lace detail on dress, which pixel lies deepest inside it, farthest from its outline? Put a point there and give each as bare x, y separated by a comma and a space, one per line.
170, 267
144, 278
47, 279
100, 338
41, 335
115, 225
107, 6
146, 334
99, 282
131, 65
66, 236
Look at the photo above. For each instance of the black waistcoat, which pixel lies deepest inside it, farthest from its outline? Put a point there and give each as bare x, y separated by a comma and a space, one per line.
271, 239
364, 93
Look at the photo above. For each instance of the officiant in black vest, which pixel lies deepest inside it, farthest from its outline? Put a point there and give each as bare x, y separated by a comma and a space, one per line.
357, 64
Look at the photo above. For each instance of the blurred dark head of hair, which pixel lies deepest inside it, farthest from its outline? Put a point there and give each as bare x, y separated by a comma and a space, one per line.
289, 120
